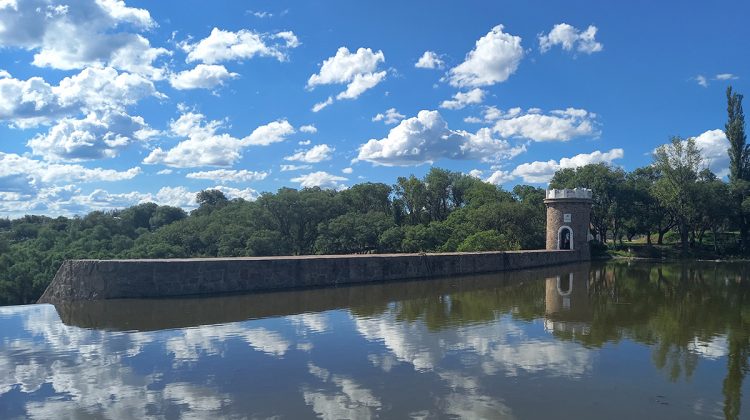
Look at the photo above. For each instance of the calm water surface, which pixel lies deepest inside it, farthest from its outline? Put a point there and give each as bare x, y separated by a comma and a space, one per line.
601, 341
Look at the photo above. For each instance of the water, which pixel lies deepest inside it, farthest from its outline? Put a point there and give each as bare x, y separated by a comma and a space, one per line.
602, 341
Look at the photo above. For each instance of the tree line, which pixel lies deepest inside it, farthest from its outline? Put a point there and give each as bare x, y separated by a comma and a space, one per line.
444, 211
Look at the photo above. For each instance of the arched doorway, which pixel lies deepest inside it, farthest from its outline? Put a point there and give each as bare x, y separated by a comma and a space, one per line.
565, 238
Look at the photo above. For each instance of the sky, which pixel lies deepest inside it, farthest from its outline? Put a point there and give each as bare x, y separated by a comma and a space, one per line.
106, 104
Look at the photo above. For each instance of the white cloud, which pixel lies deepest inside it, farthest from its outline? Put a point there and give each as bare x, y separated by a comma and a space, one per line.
541, 172
357, 70
714, 145
222, 46
304, 142
427, 138
24, 175
472, 120
229, 175
315, 154
82, 34
558, 125
570, 38
429, 60
360, 84
165, 172
273, 132
320, 105
203, 76
205, 147
476, 173
310, 129
701, 80
391, 116
494, 58
286, 168
500, 177
31, 102
461, 99
96, 136
260, 14
726, 76
320, 179
248, 194
347, 170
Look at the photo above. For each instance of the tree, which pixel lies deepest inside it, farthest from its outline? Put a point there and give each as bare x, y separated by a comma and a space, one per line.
487, 240
679, 162
714, 207
739, 161
165, 215
438, 183
209, 200
645, 215
412, 193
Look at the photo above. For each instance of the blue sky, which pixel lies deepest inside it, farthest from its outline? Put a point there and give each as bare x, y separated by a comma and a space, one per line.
107, 103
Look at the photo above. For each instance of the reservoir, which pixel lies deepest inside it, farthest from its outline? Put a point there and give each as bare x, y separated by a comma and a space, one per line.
592, 340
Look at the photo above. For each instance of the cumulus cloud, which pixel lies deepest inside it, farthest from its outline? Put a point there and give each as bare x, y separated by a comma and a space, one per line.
495, 57
310, 129
229, 175
429, 60
221, 46
558, 125
203, 76
461, 99
714, 145
391, 116
34, 101
273, 132
347, 170
81, 34
315, 154
24, 175
320, 179
205, 147
357, 70
427, 138
540, 172
96, 136
248, 194
570, 38
701, 80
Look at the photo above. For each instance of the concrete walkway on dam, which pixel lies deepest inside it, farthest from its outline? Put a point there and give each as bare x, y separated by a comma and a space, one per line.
78, 280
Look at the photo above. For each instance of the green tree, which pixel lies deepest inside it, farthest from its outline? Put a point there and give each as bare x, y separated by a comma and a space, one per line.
679, 162
412, 194
739, 161
487, 240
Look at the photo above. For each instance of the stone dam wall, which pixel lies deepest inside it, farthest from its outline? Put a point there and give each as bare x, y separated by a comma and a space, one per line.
78, 280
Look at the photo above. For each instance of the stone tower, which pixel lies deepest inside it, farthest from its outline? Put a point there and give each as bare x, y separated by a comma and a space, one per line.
568, 219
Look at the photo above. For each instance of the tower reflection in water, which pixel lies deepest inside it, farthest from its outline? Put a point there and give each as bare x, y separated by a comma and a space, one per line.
568, 309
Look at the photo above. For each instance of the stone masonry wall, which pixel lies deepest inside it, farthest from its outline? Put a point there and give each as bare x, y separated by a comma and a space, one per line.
580, 212
115, 279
